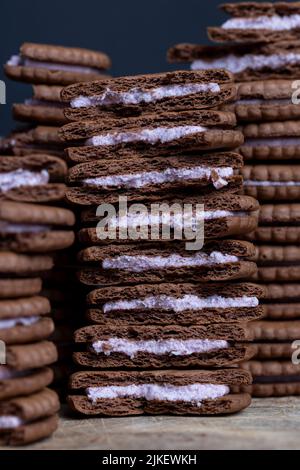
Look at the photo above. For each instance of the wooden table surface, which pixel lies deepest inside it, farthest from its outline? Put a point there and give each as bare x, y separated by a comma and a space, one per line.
267, 424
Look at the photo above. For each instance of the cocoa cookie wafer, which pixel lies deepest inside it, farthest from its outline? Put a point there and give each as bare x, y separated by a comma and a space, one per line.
267, 100
159, 174
157, 133
15, 383
256, 22
56, 65
272, 378
272, 182
271, 140
13, 288
282, 301
38, 140
28, 418
213, 345
23, 265
179, 304
34, 178
31, 356
28, 227
275, 234
268, 330
45, 107
123, 393
247, 62
273, 350
278, 273
163, 92
138, 263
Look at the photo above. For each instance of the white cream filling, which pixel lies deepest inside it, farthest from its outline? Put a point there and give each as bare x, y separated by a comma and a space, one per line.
143, 263
280, 102
180, 304
17, 60
194, 393
173, 347
152, 136
137, 95
273, 23
218, 176
176, 220
270, 142
19, 178
7, 373
24, 321
10, 422
6, 227
271, 183
237, 64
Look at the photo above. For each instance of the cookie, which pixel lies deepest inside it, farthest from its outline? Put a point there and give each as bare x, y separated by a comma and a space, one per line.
262, 101
34, 178
256, 22
270, 61
279, 214
28, 227
31, 356
276, 234
56, 65
123, 393
271, 140
278, 273
273, 350
149, 135
282, 301
159, 174
153, 93
45, 107
28, 418
266, 330
272, 182
22, 265
175, 304
38, 140
16, 383
14, 288
213, 345
138, 263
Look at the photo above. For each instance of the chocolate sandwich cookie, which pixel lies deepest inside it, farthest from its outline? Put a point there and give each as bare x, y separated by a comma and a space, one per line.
151, 135
24, 320
13, 288
271, 141
278, 273
35, 178
268, 330
28, 418
282, 301
272, 378
138, 263
278, 263
35, 228
158, 174
267, 100
278, 223
153, 93
273, 350
38, 140
19, 383
147, 347
247, 62
123, 393
23, 265
259, 22
45, 107
272, 182
175, 304
56, 65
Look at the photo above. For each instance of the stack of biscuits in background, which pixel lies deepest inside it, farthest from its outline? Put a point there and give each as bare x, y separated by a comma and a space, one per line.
262, 49
36, 231
167, 323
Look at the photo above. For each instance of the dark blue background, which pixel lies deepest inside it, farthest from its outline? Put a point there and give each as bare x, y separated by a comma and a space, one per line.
135, 33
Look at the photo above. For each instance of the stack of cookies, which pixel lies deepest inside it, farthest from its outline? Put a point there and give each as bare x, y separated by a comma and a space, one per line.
261, 46
167, 322
39, 160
